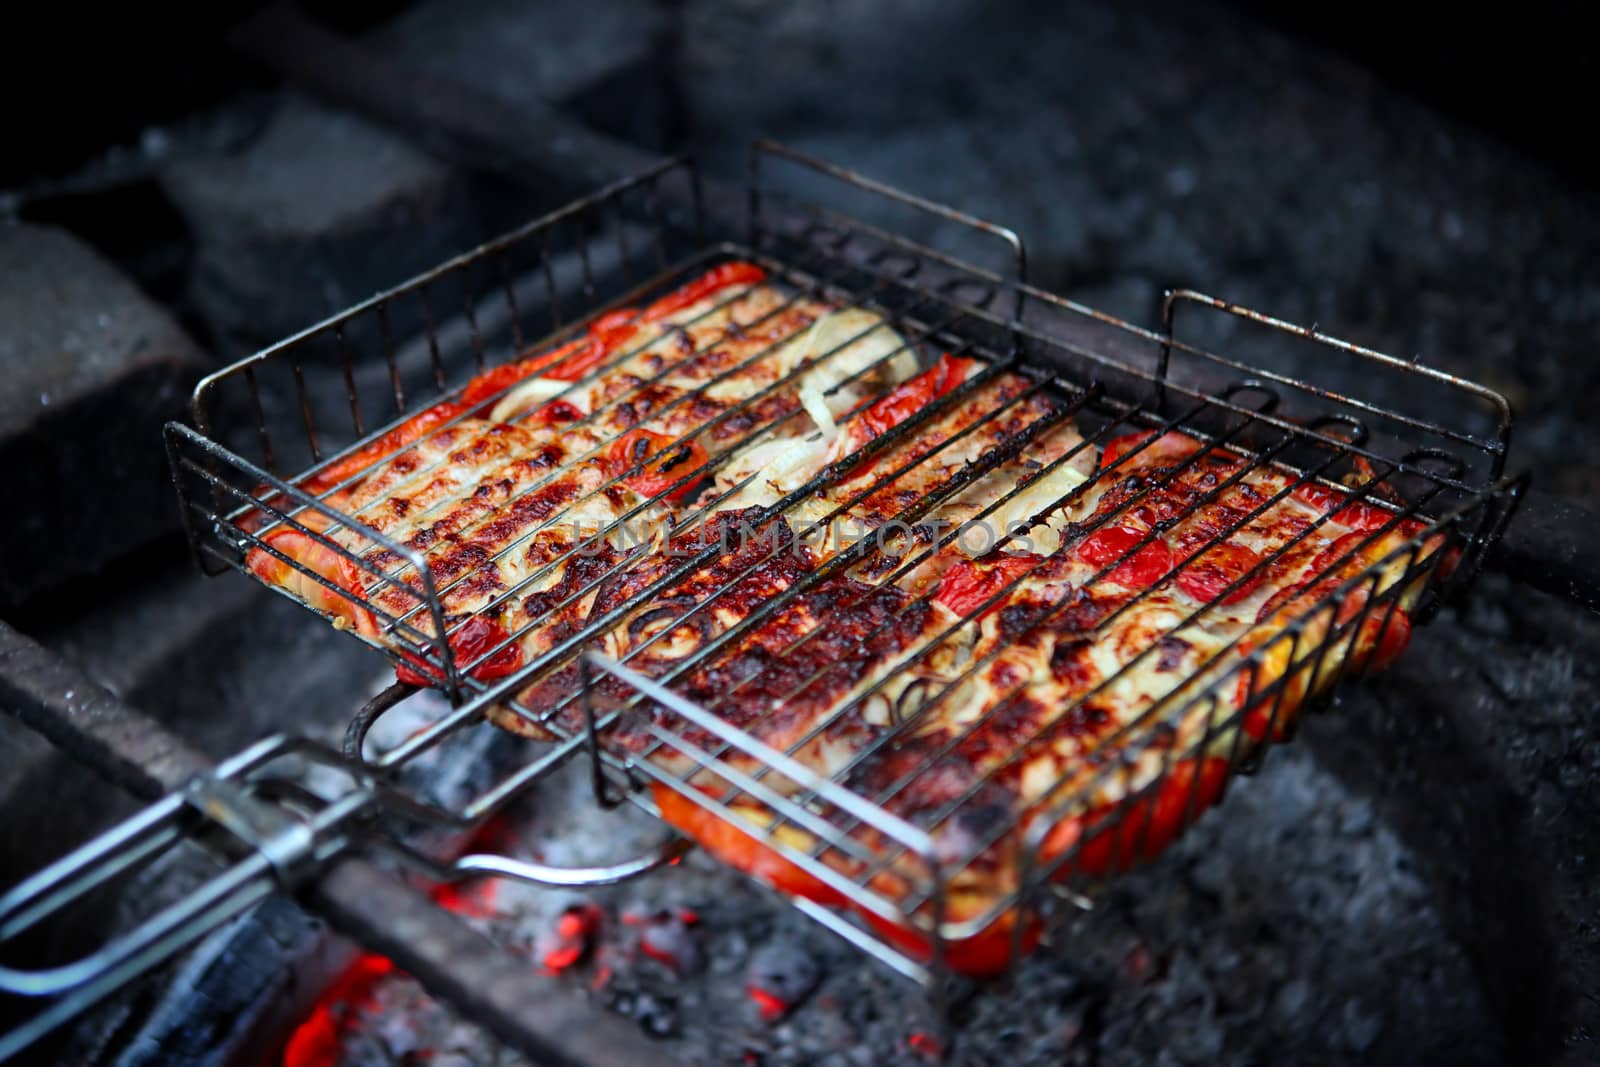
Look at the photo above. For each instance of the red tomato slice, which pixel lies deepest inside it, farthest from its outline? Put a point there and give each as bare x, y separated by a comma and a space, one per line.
322, 560
1170, 448
1141, 570
1357, 515
736, 273
905, 400
414, 428
467, 645
969, 583
661, 462
1205, 577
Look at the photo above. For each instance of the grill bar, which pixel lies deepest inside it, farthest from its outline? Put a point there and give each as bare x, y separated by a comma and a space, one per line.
705, 469
552, 278
859, 551
888, 739
394, 575
853, 231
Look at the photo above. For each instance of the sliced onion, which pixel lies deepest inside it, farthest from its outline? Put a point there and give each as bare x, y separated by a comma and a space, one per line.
866, 339
816, 406
1038, 496
779, 465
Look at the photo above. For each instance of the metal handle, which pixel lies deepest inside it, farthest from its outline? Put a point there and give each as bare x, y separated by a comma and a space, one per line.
486, 864
279, 845
279, 849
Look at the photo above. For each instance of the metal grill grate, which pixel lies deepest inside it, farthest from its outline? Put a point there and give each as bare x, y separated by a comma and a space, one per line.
269, 426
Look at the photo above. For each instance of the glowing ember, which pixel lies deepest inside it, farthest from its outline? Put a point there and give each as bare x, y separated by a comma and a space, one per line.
772, 1007
570, 941
318, 1041
925, 1044
780, 976
665, 936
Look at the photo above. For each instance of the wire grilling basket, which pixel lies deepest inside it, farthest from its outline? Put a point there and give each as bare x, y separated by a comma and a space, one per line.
277, 436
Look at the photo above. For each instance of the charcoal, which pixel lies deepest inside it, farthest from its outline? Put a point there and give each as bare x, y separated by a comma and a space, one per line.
92, 370
186, 646
565, 51
320, 211
784, 969
1360, 1025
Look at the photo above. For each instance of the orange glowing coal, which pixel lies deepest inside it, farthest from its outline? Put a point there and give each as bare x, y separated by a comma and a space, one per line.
319, 1039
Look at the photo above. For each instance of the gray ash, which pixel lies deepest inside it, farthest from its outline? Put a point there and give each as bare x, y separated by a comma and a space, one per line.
1292, 924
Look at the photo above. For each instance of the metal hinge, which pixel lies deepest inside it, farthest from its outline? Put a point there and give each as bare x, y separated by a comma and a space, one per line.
284, 841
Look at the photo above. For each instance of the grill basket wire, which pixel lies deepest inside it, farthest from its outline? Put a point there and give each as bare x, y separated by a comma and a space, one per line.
267, 423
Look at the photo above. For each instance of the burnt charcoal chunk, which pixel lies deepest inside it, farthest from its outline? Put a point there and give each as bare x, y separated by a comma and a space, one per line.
318, 212
605, 70
785, 969
93, 368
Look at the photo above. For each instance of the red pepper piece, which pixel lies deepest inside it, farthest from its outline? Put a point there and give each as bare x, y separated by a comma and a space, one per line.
320, 559
414, 428
969, 583
660, 460
467, 645
1137, 571
1168, 449
1206, 576
736, 273
905, 400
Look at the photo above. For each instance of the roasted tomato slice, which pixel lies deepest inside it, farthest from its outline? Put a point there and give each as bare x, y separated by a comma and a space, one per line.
1169, 448
414, 428
968, 583
735, 273
1138, 570
904, 401
1356, 515
660, 460
1204, 577
1118, 836
322, 560
468, 645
